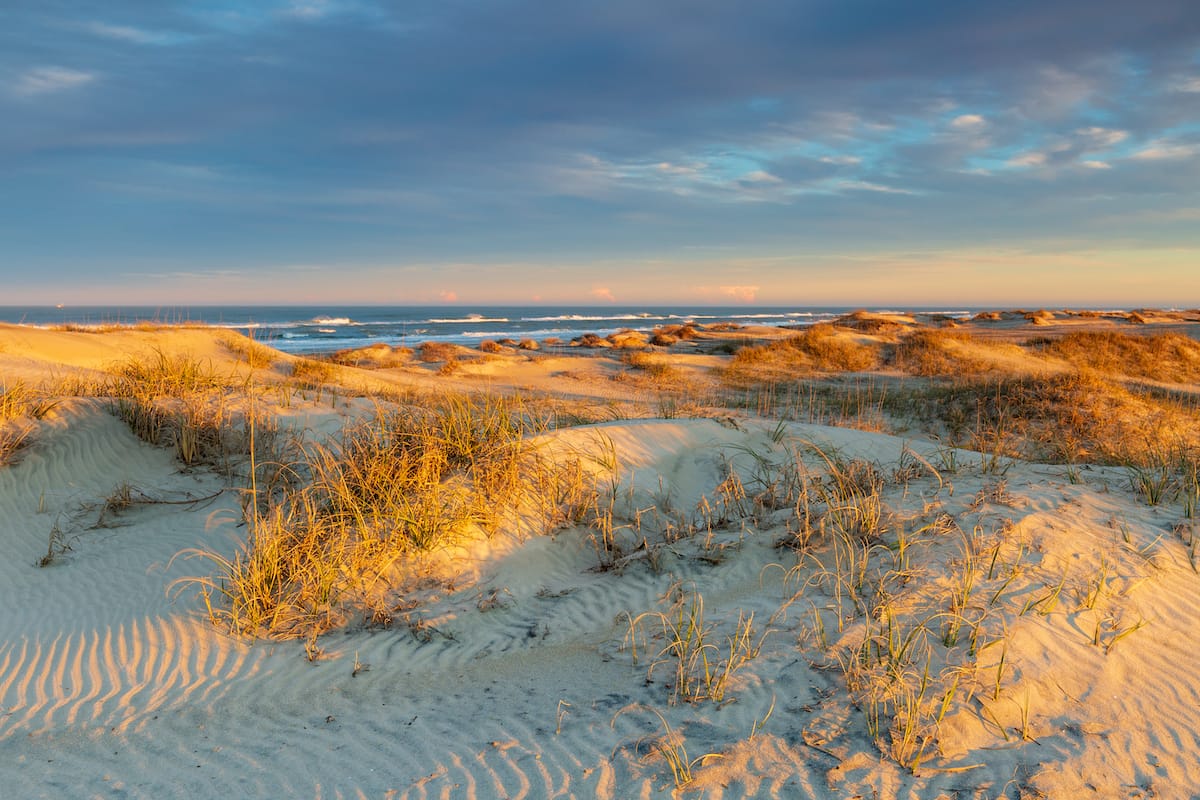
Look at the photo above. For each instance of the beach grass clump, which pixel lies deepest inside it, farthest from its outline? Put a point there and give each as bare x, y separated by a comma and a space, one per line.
207, 417
858, 402
433, 352
929, 352
253, 354
13, 437
650, 367
403, 482
23, 403
701, 665
913, 645
311, 373
18, 403
857, 572
1169, 357
160, 374
375, 356
1065, 418
830, 351
819, 349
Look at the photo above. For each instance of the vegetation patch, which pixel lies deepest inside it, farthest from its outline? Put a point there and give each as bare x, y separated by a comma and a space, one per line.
1160, 357
335, 542
819, 349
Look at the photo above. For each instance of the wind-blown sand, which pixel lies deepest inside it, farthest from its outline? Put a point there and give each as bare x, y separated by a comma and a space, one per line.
521, 680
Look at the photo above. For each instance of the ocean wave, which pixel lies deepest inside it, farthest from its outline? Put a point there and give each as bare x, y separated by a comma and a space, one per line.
302, 345
231, 326
589, 318
466, 319
942, 312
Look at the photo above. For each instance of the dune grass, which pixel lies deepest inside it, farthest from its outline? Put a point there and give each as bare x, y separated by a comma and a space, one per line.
1168, 357
185, 403
931, 352
405, 481
254, 354
1066, 418
21, 405
700, 668
16, 404
819, 349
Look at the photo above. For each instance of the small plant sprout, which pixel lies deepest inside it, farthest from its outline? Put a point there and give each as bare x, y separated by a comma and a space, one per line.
670, 745
1000, 668
761, 723
1046, 603
1095, 588
56, 546
701, 670
560, 715
1025, 726
312, 650
1151, 482
1120, 634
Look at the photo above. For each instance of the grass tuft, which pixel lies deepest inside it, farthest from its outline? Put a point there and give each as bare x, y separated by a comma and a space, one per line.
403, 482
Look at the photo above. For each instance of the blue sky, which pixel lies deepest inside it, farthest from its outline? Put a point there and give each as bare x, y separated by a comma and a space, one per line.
1031, 152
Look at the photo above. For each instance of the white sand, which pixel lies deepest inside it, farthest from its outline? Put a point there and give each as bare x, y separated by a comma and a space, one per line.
522, 683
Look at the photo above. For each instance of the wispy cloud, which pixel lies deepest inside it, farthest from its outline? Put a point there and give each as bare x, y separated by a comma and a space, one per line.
869, 186
188, 275
603, 293
1096, 138
129, 33
44, 80
1190, 84
841, 161
968, 122
761, 176
1163, 149
310, 9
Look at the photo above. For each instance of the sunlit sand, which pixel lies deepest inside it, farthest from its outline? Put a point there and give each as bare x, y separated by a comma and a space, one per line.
895, 557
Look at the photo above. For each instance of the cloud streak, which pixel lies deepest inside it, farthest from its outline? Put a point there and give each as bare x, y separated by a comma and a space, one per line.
45, 80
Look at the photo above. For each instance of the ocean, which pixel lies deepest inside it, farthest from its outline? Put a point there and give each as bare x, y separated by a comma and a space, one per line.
316, 329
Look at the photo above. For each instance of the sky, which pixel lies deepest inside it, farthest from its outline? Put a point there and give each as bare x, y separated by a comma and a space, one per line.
771, 152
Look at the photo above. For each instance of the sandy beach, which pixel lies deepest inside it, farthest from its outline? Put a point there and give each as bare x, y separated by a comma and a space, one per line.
889, 557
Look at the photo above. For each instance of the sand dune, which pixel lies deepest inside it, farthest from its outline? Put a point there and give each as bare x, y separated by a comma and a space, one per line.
522, 671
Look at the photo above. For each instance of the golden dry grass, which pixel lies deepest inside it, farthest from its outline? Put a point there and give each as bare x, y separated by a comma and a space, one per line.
1072, 418
185, 403
946, 353
311, 373
1168, 357
431, 352
376, 356
255, 355
818, 349
650, 368
405, 481
18, 404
